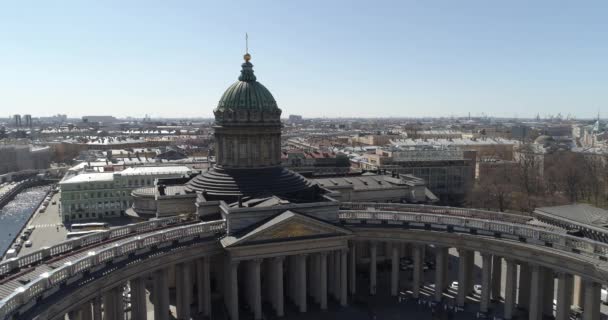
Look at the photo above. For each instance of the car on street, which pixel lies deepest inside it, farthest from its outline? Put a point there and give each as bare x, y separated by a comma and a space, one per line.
28, 243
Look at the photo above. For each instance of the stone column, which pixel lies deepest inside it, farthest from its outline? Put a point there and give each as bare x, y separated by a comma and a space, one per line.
591, 311
486, 274
161, 294
343, 277
578, 292
233, 308
496, 277
353, 268
372, 267
337, 276
523, 300
256, 283
310, 280
535, 310
291, 278
394, 270
330, 269
440, 274
564, 296
315, 277
85, 311
97, 315
548, 292
464, 273
138, 299
302, 282
279, 299
323, 280
183, 289
203, 285
510, 289
417, 276
113, 306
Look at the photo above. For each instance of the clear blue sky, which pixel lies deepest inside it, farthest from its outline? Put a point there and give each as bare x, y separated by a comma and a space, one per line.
318, 58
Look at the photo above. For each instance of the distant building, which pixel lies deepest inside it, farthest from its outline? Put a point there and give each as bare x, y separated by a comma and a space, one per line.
373, 139
438, 134
14, 158
520, 132
449, 174
497, 148
99, 119
378, 188
108, 194
28, 120
295, 118
17, 120
315, 162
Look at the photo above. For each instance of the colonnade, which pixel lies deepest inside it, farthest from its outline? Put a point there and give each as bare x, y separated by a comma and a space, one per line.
192, 277
302, 279
528, 287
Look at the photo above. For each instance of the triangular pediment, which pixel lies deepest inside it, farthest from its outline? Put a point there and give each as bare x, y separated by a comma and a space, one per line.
285, 227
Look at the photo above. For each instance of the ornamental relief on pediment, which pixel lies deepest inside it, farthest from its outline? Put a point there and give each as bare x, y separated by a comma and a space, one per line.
291, 230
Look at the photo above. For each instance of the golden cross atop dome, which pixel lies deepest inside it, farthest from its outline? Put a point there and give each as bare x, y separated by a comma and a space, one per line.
247, 56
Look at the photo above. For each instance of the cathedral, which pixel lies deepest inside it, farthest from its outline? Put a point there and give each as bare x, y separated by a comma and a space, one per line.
274, 216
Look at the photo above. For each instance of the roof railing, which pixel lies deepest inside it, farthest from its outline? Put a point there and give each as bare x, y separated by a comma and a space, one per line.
10, 265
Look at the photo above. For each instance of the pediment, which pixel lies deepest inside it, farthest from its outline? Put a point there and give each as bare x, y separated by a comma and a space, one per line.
287, 226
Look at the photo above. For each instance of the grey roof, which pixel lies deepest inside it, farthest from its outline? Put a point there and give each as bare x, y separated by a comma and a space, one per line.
360, 182
581, 213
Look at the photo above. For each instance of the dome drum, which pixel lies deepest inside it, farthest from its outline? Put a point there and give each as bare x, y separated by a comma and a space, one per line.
243, 115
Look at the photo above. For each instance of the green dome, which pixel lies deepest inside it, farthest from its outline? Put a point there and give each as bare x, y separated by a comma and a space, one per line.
247, 94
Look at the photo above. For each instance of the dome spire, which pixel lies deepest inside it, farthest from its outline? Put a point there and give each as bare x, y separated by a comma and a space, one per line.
247, 71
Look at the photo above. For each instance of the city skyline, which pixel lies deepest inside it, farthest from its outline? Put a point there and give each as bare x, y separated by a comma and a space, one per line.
323, 60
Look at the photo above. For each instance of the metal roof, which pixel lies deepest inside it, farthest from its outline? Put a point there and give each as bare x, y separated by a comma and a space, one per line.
581, 213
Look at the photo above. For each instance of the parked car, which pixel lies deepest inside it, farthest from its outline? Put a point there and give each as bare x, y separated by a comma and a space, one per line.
477, 288
28, 243
454, 285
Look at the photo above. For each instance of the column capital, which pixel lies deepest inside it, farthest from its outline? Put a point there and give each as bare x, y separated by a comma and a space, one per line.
279, 259
234, 263
588, 281
373, 243
463, 250
256, 260
486, 255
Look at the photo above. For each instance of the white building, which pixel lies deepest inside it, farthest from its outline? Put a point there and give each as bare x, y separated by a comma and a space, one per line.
108, 194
